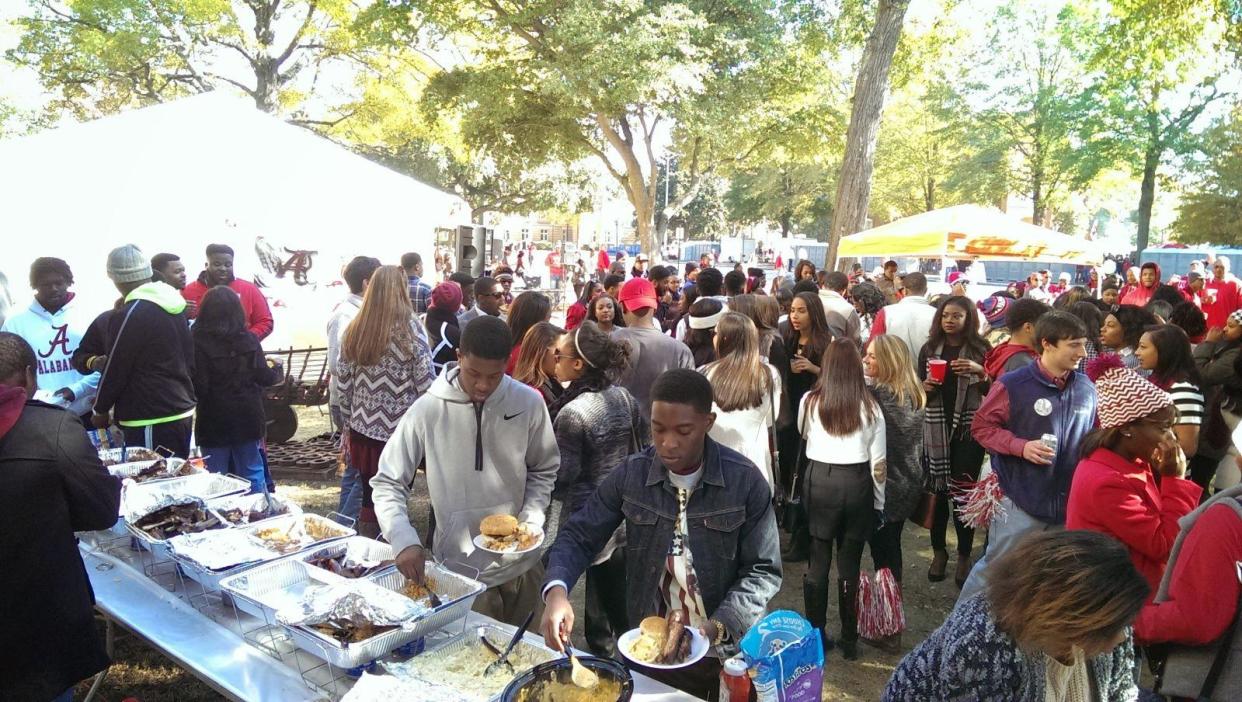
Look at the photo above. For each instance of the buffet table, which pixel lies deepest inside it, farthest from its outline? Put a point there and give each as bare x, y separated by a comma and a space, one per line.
236, 654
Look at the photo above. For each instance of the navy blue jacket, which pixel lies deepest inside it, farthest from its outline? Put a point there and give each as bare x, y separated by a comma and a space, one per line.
1025, 404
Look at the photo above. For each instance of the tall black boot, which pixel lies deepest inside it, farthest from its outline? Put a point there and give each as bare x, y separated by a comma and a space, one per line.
847, 592
815, 602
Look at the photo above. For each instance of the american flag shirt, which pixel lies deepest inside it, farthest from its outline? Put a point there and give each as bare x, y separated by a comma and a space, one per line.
679, 586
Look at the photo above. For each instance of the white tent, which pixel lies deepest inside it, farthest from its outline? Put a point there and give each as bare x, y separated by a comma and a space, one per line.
208, 168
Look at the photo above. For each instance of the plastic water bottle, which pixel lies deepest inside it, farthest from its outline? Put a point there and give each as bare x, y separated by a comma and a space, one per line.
734, 682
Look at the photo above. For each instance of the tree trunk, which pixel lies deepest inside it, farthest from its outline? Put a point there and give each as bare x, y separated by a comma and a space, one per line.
785, 224
854, 183
1147, 194
477, 214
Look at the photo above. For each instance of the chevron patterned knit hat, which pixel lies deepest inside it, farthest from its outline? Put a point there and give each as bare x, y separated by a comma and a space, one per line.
1124, 396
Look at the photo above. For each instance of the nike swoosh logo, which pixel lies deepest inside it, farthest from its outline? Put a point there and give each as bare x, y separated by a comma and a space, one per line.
511, 416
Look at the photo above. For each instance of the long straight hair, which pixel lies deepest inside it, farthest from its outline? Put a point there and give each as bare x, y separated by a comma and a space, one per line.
893, 370
385, 316
971, 339
529, 366
840, 395
740, 378
763, 316
819, 332
1174, 362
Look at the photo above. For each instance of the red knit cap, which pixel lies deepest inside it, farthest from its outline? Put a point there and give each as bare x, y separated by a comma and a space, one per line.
1123, 395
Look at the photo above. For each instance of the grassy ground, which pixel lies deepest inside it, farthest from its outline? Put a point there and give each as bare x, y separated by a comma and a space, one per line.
143, 673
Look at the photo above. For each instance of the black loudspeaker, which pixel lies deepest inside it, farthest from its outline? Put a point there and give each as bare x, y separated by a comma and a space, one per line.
469, 257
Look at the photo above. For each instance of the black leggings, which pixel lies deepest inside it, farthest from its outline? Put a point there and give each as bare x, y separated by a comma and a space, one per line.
606, 617
966, 460
886, 548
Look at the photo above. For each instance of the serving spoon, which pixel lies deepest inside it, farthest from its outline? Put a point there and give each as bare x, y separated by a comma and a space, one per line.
581, 675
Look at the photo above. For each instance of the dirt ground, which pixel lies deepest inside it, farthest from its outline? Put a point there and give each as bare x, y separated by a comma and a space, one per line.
146, 675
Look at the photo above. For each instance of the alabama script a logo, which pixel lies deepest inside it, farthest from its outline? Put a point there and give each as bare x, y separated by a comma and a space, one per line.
61, 339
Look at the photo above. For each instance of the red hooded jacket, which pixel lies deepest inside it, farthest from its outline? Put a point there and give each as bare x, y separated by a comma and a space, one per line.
996, 363
1139, 295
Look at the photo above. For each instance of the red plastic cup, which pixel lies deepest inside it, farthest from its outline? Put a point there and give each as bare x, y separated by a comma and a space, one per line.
936, 368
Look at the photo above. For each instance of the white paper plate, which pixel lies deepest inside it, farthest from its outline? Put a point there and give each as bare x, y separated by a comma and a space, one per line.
479, 541
698, 649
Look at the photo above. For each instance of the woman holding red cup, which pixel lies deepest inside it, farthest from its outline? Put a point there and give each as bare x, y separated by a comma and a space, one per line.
951, 368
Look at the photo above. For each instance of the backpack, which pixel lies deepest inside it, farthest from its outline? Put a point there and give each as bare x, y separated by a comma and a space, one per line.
1208, 672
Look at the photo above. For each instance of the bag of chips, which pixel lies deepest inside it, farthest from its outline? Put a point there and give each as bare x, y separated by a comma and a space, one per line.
786, 658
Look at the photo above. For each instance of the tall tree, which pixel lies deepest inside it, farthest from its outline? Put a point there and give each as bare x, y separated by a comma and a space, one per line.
616, 80
1158, 65
1211, 209
849, 213
1033, 93
98, 57
391, 123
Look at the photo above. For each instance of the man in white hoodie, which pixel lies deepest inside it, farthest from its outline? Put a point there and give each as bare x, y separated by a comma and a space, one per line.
489, 449
53, 325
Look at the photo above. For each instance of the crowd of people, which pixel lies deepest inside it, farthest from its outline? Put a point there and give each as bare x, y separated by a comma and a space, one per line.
678, 422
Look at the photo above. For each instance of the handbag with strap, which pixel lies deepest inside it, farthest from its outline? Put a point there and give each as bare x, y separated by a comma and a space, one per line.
1213, 672
795, 497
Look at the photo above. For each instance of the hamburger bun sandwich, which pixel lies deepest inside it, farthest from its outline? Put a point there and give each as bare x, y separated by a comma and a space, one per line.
499, 526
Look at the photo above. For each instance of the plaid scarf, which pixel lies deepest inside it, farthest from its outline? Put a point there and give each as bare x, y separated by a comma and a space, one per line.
940, 426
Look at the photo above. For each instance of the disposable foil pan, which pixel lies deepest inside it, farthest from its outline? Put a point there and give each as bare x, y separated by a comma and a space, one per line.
264, 589
298, 522
210, 556
159, 547
131, 469
143, 498
457, 594
252, 502
432, 667
358, 548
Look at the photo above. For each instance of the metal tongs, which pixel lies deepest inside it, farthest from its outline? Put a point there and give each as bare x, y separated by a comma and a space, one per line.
503, 659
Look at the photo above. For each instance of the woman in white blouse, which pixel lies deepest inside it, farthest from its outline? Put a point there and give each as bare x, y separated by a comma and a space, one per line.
744, 388
843, 491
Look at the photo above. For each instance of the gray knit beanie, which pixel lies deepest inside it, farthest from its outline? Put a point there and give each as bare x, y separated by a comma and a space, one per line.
127, 264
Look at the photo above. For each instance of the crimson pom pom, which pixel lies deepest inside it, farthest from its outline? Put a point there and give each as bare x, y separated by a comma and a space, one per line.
1102, 364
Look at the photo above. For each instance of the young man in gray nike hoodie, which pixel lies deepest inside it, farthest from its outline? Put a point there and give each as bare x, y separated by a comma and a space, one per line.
489, 449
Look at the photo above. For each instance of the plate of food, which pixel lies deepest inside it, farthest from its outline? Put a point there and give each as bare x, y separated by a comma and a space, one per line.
663, 642
501, 533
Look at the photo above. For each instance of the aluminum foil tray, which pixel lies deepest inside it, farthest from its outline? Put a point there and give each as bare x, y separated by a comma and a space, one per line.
129, 470
360, 547
210, 578
434, 660
457, 595
159, 547
246, 503
264, 589
335, 531
140, 499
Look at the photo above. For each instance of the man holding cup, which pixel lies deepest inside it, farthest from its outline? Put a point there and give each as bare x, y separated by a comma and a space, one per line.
1048, 397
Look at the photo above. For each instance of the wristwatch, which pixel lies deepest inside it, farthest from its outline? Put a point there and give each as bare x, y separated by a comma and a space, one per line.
721, 632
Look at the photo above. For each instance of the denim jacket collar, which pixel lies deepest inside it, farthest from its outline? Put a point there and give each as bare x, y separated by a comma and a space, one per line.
712, 475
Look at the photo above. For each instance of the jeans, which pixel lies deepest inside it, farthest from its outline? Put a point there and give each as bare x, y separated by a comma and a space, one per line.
243, 460
66, 696
1003, 534
350, 503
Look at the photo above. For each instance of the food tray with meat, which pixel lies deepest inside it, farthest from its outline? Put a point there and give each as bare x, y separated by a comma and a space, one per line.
183, 515
141, 498
460, 663
296, 532
113, 456
284, 585
241, 510
354, 557
156, 470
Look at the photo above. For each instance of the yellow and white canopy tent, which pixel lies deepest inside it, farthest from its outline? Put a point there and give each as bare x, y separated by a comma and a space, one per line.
969, 232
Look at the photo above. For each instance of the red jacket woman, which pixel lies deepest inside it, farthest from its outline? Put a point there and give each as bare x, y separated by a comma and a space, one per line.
1131, 485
